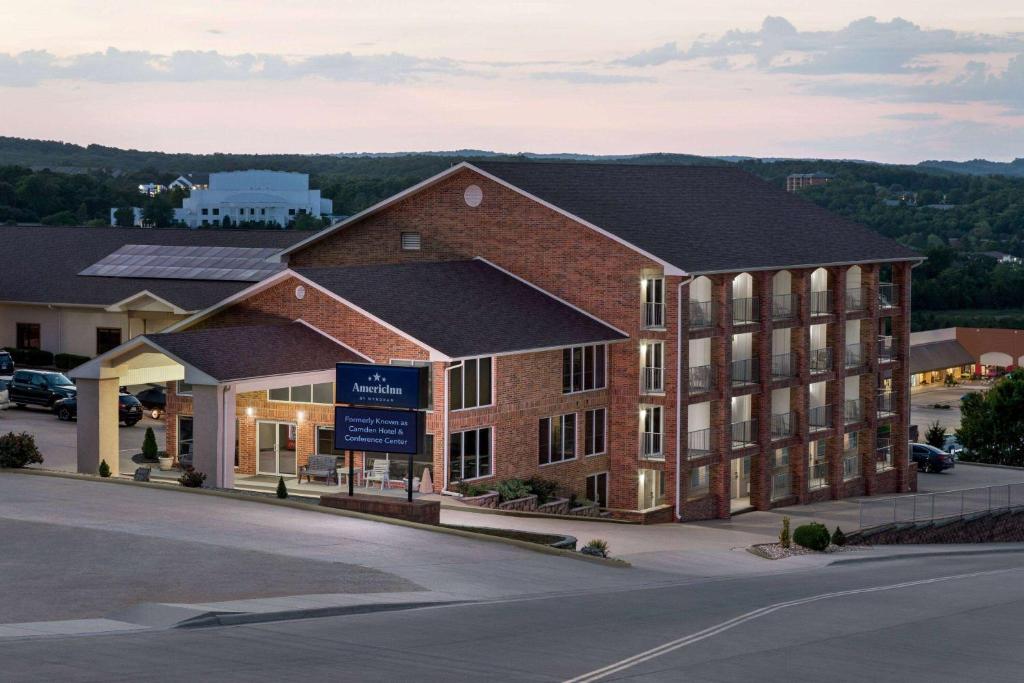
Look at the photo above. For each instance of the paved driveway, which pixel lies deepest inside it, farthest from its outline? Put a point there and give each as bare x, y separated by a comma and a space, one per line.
923, 413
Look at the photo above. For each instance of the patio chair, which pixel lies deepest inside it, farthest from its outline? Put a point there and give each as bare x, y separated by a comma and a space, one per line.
380, 472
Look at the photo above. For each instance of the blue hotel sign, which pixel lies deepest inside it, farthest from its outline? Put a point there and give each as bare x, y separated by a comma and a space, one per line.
373, 430
385, 386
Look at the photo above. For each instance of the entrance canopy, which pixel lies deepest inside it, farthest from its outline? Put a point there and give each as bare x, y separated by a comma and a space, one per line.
219, 363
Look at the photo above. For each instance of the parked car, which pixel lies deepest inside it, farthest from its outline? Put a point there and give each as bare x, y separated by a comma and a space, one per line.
6, 364
154, 400
930, 458
39, 387
952, 445
129, 410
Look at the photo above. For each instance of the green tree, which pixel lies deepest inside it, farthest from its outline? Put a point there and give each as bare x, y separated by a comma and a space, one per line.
149, 447
992, 423
158, 211
936, 435
124, 217
282, 490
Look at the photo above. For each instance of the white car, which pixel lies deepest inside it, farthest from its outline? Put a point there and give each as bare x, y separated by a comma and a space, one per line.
5, 396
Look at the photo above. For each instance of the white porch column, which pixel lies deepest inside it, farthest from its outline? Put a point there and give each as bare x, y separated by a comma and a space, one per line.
208, 433
97, 425
229, 420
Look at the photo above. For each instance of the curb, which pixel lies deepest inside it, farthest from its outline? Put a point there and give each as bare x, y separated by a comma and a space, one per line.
935, 553
445, 505
993, 465
242, 618
546, 550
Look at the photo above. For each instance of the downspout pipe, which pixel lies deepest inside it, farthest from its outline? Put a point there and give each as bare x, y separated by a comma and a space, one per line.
679, 396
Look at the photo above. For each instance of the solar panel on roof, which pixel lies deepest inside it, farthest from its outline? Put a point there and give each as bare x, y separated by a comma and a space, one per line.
171, 262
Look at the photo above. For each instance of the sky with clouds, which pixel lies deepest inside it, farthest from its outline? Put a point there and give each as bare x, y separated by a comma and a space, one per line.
902, 80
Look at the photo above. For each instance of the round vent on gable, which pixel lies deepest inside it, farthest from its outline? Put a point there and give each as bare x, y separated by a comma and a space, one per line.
473, 195
300, 292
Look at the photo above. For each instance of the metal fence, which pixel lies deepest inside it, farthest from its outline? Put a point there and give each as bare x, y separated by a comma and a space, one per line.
924, 507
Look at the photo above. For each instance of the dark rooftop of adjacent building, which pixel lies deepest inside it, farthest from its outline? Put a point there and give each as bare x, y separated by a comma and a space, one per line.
462, 308
269, 350
938, 355
701, 219
42, 264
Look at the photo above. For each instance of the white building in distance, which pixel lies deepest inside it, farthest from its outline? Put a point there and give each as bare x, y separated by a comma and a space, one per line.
258, 196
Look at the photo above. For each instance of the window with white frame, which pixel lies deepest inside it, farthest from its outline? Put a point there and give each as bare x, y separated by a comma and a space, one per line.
183, 388
653, 371
653, 292
597, 488
700, 482
325, 442
304, 393
469, 384
817, 465
651, 432
594, 431
584, 368
851, 456
469, 455
556, 440
430, 376
780, 474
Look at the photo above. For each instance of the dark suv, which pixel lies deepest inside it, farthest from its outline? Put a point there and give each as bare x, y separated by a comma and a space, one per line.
40, 387
6, 364
129, 410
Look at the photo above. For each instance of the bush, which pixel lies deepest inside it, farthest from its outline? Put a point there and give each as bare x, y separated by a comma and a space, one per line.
545, 489
512, 489
35, 357
192, 479
470, 490
18, 450
149, 447
838, 537
66, 361
784, 540
596, 547
104, 469
282, 490
813, 536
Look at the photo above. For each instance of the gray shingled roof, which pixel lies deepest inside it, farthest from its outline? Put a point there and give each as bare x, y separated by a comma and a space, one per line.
41, 263
701, 219
462, 308
269, 350
939, 355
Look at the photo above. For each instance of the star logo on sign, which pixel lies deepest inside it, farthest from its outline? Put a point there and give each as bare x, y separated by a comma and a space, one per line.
376, 377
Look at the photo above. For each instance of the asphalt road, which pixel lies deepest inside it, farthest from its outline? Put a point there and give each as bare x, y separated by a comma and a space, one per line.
926, 619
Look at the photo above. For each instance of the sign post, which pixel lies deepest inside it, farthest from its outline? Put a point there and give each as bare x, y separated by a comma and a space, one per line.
380, 409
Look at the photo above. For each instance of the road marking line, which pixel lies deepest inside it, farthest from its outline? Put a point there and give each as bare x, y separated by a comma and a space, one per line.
692, 638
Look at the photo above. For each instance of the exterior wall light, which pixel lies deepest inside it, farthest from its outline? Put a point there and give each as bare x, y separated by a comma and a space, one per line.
250, 411
301, 415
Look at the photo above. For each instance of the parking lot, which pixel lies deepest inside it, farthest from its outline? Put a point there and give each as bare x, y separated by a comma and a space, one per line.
923, 411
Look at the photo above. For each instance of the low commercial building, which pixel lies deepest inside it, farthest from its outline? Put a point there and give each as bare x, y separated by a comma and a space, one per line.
637, 334
239, 197
48, 301
960, 353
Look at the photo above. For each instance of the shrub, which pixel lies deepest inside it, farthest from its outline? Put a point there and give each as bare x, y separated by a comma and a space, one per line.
192, 479
545, 489
813, 536
149, 447
596, 547
32, 357
18, 450
512, 489
66, 361
838, 537
104, 470
469, 490
282, 490
936, 435
784, 534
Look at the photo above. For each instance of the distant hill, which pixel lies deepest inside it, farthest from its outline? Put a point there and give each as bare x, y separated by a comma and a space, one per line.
979, 167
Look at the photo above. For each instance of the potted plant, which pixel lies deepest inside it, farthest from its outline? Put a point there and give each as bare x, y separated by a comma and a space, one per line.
165, 460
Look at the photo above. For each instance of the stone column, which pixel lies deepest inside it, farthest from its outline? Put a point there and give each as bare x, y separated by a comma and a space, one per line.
97, 425
208, 433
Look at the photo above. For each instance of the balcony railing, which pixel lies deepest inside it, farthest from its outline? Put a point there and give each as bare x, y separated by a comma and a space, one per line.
886, 350
819, 418
744, 433
782, 426
744, 311
854, 355
701, 379
817, 475
650, 446
744, 371
701, 314
653, 380
698, 443
852, 411
883, 454
855, 299
780, 484
654, 314
783, 307
885, 404
821, 303
851, 465
888, 296
783, 366
821, 360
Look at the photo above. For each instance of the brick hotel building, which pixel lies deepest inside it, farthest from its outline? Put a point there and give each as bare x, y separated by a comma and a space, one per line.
676, 342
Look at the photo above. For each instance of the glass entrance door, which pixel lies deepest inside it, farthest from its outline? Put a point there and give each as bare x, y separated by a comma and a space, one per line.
740, 492
275, 444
